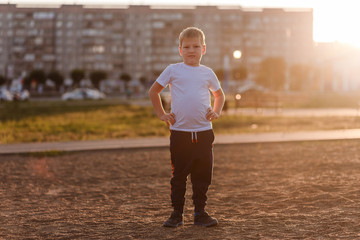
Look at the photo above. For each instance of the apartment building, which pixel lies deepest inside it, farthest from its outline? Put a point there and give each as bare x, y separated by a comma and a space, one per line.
142, 40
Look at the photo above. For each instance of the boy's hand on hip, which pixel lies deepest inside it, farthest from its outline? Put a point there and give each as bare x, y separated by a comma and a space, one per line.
168, 118
211, 115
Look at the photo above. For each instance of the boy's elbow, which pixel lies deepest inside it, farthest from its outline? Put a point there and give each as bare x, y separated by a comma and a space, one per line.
151, 92
219, 94
222, 95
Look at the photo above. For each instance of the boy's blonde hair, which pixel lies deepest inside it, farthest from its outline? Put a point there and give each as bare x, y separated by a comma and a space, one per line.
192, 32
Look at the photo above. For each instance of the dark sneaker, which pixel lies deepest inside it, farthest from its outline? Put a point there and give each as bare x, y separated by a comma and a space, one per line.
175, 220
203, 219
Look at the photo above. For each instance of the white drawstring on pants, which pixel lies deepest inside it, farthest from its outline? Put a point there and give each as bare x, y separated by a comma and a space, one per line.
194, 136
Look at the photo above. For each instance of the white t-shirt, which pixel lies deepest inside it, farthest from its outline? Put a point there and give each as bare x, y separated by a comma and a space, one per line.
190, 96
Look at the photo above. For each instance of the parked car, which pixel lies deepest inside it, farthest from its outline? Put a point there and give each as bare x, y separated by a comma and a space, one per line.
252, 95
22, 95
5, 95
83, 93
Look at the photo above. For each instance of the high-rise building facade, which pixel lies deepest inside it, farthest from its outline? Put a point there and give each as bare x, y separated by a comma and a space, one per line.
142, 40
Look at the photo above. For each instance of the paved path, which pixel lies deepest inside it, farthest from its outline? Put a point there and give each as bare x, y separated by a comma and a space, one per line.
164, 141
298, 112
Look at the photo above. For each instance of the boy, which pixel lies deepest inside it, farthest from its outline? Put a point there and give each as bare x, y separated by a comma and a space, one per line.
190, 120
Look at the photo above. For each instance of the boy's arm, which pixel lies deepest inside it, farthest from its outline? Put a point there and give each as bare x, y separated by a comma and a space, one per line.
154, 94
219, 101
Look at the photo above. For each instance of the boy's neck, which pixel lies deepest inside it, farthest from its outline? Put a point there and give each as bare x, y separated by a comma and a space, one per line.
198, 65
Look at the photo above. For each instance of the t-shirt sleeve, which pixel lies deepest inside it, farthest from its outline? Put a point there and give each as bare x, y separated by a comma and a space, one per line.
165, 76
214, 82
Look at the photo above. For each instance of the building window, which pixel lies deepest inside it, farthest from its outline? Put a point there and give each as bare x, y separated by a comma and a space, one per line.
98, 49
89, 16
44, 15
108, 16
29, 57
158, 24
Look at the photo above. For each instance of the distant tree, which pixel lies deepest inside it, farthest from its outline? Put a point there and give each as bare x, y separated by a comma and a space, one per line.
27, 82
143, 80
57, 77
125, 77
327, 77
240, 73
316, 82
156, 73
220, 74
77, 75
299, 77
96, 77
2, 80
272, 73
37, 75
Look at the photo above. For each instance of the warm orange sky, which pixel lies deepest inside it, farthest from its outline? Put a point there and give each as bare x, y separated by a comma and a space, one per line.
334, 20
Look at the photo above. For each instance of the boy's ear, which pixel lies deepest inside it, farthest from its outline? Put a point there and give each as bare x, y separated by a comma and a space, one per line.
180, 52
204, 49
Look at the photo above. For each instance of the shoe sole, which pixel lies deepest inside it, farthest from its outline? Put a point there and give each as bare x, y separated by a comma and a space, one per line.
210, 224
173, 226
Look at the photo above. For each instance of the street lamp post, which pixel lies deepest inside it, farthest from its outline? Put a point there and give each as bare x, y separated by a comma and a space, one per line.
226, 73
226, 66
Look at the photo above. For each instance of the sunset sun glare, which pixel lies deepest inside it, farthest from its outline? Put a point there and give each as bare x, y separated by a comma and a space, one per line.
337, 22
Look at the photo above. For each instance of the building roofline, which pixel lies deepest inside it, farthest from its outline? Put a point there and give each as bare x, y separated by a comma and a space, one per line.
157, 6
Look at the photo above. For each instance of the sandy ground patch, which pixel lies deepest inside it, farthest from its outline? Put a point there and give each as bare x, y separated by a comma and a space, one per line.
299, 190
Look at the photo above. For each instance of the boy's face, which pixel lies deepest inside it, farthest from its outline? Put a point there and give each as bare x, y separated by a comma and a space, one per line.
191, 51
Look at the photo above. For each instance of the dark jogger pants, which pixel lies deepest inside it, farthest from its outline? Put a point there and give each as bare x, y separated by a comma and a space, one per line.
191, 153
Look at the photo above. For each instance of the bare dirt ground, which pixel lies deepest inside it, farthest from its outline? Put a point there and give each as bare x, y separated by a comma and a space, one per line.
302, 190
